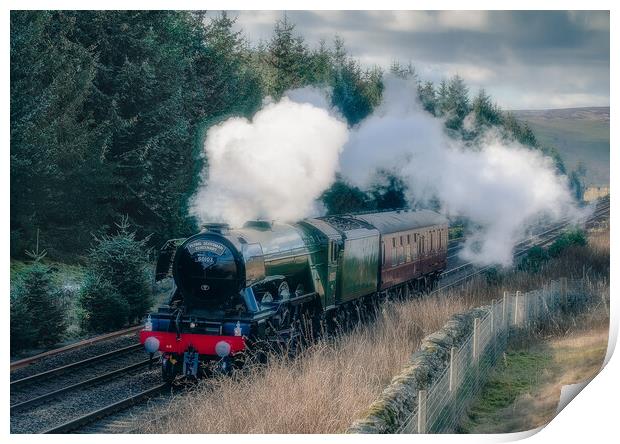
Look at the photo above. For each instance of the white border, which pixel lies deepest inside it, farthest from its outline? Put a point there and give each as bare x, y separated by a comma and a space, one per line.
592, 417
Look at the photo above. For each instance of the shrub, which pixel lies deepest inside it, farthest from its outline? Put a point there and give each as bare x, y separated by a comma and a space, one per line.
456, 232
566, 240
119, 263
22, 335
104, 309
533, 260
493, 276
37, 304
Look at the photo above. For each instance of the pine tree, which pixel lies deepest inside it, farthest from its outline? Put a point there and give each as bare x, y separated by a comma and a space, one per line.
321, 67
54, 142
442, 99
427, 95
354, 92
103, 307
41, 298
23, 336
120, 259
576, 181
342, 197
288, 56
486, 113
389, 191
457, 103
404, 72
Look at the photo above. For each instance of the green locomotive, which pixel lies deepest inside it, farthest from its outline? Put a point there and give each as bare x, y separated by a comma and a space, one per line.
234, 287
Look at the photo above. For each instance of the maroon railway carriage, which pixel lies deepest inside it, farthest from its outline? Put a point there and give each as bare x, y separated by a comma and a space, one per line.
414, 245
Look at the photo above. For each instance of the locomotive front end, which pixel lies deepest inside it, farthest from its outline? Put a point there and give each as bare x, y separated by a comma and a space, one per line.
206, 321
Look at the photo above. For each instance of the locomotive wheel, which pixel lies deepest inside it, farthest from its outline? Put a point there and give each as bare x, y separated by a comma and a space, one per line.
168, 371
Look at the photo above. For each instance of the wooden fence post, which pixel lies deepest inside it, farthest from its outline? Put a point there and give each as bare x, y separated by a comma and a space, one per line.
492, 320
564, 291
475, 340
504, 309
422, 411
452, 369
516, 317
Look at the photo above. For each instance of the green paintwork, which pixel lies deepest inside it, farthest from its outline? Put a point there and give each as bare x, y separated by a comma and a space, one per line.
359, 264
338, 258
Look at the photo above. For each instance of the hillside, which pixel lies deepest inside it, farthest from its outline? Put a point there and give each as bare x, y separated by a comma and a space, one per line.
578, 134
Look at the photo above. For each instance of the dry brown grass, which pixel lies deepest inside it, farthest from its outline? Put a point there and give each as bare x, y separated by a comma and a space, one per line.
320, 391
332, 382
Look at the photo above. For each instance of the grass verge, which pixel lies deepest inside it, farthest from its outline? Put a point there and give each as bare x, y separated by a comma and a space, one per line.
524, 391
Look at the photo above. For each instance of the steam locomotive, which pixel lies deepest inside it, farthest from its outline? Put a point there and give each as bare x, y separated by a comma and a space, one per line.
236, 287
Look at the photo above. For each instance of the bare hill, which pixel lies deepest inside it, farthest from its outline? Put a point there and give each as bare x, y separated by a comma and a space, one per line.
579, 134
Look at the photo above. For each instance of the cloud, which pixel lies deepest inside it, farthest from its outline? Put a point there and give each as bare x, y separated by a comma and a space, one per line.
550, 56
467, 20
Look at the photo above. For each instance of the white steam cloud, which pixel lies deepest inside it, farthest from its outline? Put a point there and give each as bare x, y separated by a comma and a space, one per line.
501, 187
276, 166
272, 167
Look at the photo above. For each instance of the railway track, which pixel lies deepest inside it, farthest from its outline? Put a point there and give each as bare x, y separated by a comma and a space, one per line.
539, 239
533, 240
39, 400
112, 416
37, 378
80, 385
124, 404
15, 365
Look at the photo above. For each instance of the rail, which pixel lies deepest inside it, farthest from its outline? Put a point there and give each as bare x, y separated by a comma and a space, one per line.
83, 343
84, 420
95, 380
65, 368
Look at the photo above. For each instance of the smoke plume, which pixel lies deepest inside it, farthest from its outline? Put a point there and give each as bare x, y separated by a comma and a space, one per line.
501, 187
274, 166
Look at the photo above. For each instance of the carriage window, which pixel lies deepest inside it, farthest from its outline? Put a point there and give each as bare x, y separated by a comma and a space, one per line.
401, 240
431, 249
394, 257
393, 242
408, 239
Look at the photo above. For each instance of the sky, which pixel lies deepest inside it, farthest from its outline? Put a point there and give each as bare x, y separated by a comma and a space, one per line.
524, 59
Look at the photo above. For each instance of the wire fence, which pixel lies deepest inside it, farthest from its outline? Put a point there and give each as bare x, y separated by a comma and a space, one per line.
440, 407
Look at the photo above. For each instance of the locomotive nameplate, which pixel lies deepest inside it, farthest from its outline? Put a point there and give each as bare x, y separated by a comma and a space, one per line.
200, 245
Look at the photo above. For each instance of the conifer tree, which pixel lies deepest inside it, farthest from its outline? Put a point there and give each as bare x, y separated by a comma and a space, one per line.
287, 56
119, 261
104, 309
457, 103
427, 95
38, 315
